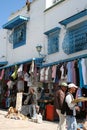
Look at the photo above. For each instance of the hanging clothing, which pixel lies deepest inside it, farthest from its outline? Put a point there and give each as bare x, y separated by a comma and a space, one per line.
25, 68
63, 73
76, 67
8, 72
20, 68
26, 77
20, 71
84, 70
2, 74
42, 74
29, 82
80, 73
54, 67
14, 75
79, 94
10, 84
20, 85
48, 73
32, 67
84, 104
73, 72
69, 73
35, 72
58, 73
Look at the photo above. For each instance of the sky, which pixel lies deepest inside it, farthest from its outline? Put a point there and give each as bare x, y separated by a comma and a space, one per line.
7, 7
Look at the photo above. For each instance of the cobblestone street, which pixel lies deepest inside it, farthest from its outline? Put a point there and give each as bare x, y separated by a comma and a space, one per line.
12, 124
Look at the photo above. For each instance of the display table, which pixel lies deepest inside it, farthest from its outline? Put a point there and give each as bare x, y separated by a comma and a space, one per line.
45, 101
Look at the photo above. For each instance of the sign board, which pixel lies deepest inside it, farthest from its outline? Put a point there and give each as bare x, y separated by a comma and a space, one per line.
19, 101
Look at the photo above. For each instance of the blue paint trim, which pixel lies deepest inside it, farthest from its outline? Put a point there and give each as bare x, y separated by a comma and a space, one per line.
75, 39
52, 30
19, 36
65, 60
3, 63
37, 60
74, 17
19, 44
53, 43
15, 22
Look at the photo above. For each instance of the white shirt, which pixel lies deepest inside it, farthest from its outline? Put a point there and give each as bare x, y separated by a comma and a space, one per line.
69, 99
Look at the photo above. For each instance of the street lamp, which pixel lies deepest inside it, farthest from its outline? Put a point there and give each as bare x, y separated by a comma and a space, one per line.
39, 49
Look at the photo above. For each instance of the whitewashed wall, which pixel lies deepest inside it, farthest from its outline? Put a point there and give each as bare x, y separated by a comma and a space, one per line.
3, 45
58, 13
34, 33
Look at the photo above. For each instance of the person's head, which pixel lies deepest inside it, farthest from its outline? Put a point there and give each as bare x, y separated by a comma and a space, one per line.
63, 86
72, 87
55, 86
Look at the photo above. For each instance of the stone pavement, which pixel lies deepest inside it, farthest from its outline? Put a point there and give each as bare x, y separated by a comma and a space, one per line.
12, 124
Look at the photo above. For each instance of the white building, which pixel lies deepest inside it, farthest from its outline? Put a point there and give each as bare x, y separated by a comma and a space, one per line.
58, 26
43, 18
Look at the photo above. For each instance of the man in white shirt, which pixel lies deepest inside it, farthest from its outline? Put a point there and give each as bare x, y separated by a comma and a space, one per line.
71, 108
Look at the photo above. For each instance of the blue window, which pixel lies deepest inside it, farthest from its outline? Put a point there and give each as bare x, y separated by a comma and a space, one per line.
53, 45
76, 38
19, 35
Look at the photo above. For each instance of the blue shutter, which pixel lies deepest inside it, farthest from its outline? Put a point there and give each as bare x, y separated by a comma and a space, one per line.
76, 38
53, 45
19, 36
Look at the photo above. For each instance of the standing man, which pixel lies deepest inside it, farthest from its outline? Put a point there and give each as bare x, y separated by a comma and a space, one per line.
33, 102
59, 99
71, 107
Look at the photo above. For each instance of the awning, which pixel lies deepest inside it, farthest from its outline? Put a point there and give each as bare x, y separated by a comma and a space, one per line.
64, 60
3, 63
15, 22
74, 17
38, 62
52, 30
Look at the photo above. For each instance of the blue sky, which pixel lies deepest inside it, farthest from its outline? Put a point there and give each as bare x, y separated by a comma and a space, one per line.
7, 7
